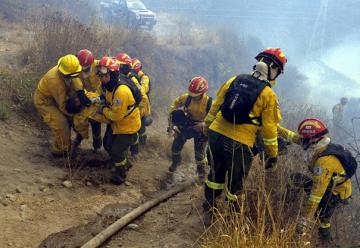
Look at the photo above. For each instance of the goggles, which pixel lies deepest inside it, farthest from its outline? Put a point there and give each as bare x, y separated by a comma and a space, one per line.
72, 75
86, 69
102, 71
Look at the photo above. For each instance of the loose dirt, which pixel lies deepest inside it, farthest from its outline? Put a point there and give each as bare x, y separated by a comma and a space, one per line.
35, 204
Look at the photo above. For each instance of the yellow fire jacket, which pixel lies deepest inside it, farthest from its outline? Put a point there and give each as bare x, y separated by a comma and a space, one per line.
118, 111
196, 108
53, 91
323, 169
266, 107
92, 81
144, 81
145, 109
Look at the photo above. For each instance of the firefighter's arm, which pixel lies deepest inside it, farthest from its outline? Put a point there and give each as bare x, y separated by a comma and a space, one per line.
271, 117
121, 101
58, 92
219, 100
178, 102
289, 135
321, 179
77, 84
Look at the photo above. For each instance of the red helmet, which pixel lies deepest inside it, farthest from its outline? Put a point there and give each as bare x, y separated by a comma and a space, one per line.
86, 58
124, 59
275, 55
107, 64
198, 85
312, 128
136, 65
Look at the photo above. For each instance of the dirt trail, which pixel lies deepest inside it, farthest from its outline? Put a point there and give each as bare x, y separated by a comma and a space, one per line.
34, 204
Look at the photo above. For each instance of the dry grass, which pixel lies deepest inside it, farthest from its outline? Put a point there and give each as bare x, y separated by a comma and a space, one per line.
270, 210
16, 90
170, 61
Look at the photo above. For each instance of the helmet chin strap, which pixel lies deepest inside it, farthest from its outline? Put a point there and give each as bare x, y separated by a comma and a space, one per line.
317, 143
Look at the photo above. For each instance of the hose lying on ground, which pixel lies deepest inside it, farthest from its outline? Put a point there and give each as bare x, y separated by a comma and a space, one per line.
126, 219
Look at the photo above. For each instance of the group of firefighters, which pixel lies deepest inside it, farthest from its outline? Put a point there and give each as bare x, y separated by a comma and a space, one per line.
80, 90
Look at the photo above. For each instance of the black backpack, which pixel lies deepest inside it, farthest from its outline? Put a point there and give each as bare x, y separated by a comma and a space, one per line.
240, 99
123, 80
345, 157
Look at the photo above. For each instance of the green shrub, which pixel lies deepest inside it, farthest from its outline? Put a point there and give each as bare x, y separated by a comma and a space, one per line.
4, 111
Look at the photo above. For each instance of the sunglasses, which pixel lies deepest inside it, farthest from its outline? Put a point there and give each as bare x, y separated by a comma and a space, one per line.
86, 69
102, 71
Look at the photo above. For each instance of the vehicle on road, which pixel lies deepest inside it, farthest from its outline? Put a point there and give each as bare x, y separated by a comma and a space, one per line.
129, 13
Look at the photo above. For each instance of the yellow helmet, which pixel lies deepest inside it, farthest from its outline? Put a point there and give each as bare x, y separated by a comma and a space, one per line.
69, 65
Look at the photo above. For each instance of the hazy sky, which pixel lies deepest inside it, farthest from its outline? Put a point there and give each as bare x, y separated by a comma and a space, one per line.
321, 38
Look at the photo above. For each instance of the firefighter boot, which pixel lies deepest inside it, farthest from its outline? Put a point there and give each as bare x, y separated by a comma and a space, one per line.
97, 143
142, 139
134, 149
77, 141
200, 168
119, 175
176, 160
324, 234
208, 216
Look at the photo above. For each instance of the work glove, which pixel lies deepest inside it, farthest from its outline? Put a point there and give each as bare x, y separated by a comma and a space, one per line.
206, 128
99, 100
270, 163
199, 127
170, 131
84, 100
100, 109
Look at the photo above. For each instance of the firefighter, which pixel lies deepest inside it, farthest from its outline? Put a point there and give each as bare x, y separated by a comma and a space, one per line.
331, 167
58, 84
338, 113
91, 83
145, 110
186, 118
145, 83
143, 77
243, 105
122, 111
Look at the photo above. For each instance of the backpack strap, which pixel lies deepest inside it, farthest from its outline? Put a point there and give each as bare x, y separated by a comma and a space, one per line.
130, 107
208, 105
187, 103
